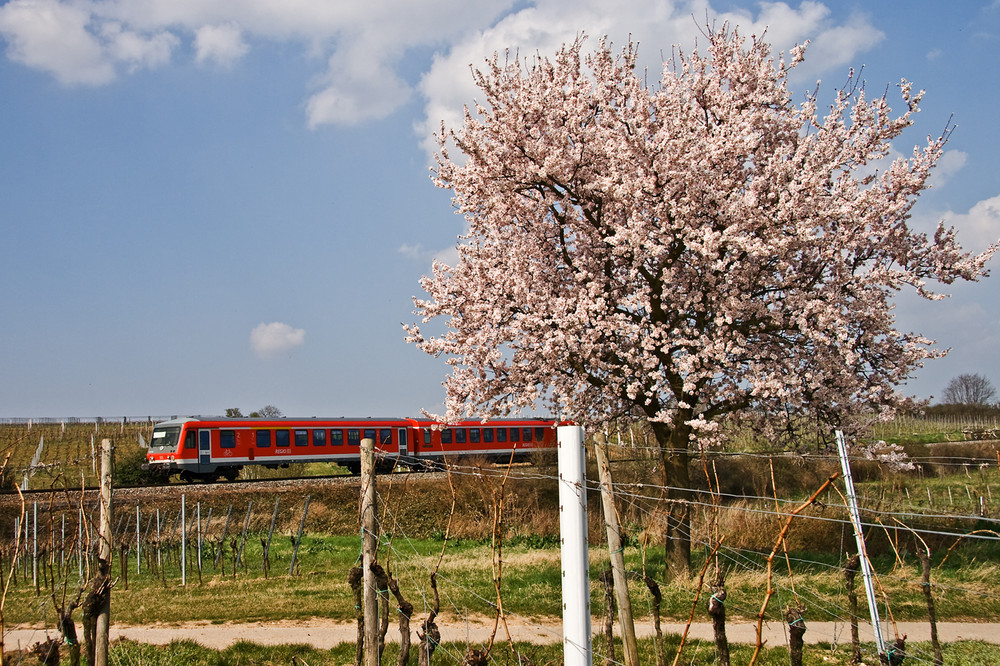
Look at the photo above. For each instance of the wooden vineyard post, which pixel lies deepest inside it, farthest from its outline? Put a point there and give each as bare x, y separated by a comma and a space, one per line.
369, 541
616, 549
97, 607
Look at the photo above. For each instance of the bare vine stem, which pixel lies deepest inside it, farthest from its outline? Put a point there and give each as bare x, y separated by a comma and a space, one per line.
694, 604
770, 561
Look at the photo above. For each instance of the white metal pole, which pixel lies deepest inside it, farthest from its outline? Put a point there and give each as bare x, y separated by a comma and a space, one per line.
866, 567
573, 538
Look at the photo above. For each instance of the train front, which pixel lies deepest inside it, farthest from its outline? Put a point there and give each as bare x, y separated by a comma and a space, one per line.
166, 453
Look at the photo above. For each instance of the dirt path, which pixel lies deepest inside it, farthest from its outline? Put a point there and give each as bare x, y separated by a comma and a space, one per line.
325, 634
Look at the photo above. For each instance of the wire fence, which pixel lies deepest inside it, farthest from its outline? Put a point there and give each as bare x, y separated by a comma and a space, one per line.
220, 541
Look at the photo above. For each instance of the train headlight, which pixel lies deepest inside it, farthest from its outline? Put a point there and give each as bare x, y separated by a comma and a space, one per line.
171, 458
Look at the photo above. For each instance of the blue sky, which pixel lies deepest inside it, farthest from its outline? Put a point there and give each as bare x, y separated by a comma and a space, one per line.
219, 204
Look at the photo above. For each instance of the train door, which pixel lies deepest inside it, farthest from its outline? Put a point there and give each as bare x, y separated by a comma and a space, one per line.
403, 449
204, 447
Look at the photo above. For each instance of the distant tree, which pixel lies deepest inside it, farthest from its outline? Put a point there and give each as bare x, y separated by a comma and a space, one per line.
267, 412
234, 413
969, 389
686, 250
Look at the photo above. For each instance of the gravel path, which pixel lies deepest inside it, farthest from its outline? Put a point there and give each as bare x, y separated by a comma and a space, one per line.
325, 634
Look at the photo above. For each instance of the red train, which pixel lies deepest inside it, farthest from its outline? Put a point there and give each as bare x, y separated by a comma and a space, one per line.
206, 448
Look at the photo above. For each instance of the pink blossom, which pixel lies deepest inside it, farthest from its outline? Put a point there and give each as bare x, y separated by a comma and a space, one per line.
688, 249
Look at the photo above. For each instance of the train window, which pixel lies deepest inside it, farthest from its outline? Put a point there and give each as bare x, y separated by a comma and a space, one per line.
369, 433
354, 437
487, 434
427, 435
281, 438
446, 436
525, 434
336, 437
319, 437
301, 438
263, 439
227, 439
165, 439
190, 440
474, 435
539, 434
501, 434
514, 432
385, 436
460, 435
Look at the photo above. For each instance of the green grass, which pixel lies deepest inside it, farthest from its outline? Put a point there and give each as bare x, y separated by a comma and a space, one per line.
531, 578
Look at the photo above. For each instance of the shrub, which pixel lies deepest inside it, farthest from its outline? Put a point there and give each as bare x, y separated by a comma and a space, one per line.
128, 469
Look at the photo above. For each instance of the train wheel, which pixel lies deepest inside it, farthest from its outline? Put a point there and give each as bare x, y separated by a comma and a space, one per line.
187, 477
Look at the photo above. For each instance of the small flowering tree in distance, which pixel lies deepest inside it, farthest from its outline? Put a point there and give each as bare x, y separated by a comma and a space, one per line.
694, 249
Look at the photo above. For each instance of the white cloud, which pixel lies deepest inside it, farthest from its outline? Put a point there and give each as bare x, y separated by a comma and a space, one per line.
275, 338
447, 256
655, 24
220, 44
950, 163
356, 87
362, 48
53, 37
980, 227
76, 47
134, 50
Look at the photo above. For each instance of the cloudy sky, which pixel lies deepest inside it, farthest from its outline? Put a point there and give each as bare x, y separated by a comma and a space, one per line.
210, 204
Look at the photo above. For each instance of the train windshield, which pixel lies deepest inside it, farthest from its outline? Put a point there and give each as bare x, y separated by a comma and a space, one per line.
165, 439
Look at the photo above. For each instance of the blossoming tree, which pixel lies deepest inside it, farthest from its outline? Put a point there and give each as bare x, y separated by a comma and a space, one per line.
688, 250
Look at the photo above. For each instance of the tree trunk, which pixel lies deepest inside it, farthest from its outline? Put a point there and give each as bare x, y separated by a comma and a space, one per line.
67, 627
94, 604
717, 609
382, 590
654, 589
925, 561
896, 653
474, 657
673, 444
405, 609
796, 630
850, 572
355, 579
431, 636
